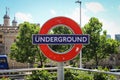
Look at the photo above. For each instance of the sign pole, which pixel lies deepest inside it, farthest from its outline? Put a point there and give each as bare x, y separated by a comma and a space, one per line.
60, 71
80, 26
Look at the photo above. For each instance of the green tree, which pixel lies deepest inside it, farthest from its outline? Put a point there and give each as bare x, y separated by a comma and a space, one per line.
23, 50
60, 30
93, 28
112, 46
99, 46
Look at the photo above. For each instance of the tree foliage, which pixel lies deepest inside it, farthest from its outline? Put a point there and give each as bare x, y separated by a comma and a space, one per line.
70, 74
41, 75
93, 28
60, 30
99, 46
23, 50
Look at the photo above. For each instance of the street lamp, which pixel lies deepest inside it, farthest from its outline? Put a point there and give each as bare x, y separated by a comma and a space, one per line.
80, 26
80, 10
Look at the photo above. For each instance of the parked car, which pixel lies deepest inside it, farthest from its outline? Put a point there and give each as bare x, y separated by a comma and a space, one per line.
3, 62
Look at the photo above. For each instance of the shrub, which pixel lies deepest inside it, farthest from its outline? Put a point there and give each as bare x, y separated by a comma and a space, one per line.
77, 75
70, 74
41, 75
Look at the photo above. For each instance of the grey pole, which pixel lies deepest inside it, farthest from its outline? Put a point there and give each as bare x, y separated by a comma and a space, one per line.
80, 26
60, 71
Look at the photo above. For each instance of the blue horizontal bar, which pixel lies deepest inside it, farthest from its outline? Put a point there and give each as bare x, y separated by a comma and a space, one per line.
60, 39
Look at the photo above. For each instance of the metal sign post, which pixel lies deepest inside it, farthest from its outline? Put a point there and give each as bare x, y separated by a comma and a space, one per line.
60, 71
43, 39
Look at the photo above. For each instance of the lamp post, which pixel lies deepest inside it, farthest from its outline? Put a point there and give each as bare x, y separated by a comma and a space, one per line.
80, 26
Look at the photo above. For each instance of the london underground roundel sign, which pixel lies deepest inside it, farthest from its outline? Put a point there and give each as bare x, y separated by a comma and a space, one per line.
43, 39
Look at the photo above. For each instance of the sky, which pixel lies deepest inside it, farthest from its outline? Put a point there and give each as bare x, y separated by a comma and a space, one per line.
39, 11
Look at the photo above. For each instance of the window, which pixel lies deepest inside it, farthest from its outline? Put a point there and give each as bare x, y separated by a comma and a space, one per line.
0, 41
14, 40
2, 60
0, 36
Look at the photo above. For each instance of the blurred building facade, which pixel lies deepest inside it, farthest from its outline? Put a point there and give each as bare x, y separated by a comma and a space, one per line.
8, 33
108, 36
117, 37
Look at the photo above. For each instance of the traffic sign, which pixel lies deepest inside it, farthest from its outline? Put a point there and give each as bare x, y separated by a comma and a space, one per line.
43, 39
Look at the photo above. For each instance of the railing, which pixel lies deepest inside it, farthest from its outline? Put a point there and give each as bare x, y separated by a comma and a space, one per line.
117, 74
27, 71
20, 73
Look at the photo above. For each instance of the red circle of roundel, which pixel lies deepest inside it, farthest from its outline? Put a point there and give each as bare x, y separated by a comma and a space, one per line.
54, 55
